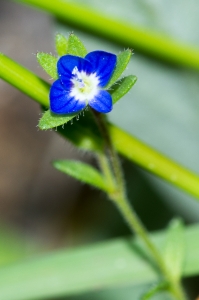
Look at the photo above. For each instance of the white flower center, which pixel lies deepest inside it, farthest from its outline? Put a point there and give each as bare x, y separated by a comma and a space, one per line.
85, 87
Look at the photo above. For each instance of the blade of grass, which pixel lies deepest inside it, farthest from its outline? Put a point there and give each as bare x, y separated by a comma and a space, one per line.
89, 268
154, 162
24, 80
137, 152
140, 39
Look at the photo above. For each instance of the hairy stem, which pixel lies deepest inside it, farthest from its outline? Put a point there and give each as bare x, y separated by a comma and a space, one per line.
120, 199
110, 153
104, 165
136, 226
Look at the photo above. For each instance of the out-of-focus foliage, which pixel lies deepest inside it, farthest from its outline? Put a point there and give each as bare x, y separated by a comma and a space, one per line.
86, 269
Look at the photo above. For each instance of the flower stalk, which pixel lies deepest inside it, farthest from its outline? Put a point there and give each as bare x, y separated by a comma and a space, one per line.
112, 167
111, 154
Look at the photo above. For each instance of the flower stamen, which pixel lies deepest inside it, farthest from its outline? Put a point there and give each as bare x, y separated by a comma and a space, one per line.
85, 86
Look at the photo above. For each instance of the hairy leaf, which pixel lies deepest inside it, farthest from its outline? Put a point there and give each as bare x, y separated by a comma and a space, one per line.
121, 87
48, 63
82, 172
61, 44
50, 120
123, 59
75, 46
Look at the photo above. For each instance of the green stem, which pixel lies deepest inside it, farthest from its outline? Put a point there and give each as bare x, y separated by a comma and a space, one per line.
136, 226
105, 168
121, 201
111, 152
177, 291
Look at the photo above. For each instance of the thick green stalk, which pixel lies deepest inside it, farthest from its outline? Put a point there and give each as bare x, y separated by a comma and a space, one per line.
24, 80
140, 39
153, 161
137, 152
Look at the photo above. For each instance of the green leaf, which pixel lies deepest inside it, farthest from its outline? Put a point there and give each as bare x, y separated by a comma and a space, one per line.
107, 264
82, 172
75, 46
123, 59
121, 87
175, 248
155, 289
61, 44
50, 120
48, 63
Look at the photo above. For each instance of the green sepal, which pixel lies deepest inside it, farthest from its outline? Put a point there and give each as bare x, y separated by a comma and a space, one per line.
82, 172
123, 59
175, 248
49, 63
83, 132
155, 289
121, 87
75, 46
61, 44
50, 120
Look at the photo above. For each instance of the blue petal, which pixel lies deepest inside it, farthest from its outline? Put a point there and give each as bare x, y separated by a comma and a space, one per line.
103, 64
61, 102
102, 102
67, 63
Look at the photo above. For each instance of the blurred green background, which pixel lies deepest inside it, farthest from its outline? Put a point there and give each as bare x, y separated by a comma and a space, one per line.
42, 209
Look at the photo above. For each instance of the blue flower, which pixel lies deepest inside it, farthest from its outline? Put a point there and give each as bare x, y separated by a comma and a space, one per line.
81, 82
